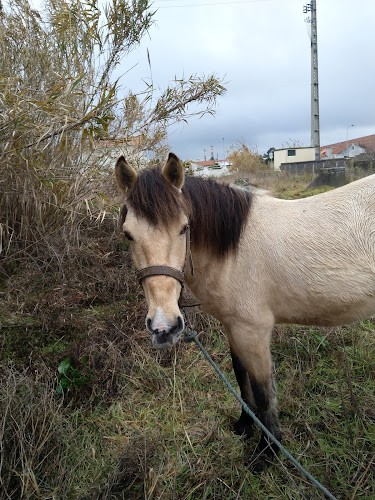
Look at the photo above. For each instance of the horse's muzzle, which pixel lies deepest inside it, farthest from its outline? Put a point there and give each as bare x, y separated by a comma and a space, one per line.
166, 336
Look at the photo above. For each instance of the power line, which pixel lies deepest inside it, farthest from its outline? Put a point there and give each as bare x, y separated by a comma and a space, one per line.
234, 1
209, 4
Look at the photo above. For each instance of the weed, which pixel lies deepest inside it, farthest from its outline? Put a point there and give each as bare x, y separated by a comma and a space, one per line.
69, 378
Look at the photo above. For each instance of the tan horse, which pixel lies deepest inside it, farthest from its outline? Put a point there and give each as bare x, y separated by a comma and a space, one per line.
258, 261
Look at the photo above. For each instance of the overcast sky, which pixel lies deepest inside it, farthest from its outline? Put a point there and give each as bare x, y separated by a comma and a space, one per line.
261, 48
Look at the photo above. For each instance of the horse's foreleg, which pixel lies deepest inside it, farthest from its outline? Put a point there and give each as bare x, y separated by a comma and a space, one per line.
255, 354
244, 425
266, 401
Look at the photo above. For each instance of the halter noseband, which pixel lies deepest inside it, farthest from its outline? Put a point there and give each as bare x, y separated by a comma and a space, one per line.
160, 270
174, 273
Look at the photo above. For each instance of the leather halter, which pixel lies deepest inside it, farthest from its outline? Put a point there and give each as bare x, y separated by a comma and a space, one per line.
174, 273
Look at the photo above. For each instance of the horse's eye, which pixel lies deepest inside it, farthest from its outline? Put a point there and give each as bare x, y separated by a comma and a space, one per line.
183, 230
128, 236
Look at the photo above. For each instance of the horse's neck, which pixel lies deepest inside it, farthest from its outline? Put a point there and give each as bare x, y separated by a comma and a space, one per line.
208, 270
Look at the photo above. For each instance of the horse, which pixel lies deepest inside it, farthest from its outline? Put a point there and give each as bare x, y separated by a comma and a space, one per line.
253, 261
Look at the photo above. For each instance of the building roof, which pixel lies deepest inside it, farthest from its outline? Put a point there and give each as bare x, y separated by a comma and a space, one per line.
294, 147
207, 163
367, 142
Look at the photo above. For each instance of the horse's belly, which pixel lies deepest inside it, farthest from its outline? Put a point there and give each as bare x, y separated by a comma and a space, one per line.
330, 314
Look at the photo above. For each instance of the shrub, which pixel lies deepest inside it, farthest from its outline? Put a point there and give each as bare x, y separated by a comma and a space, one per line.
57, 100
245, 159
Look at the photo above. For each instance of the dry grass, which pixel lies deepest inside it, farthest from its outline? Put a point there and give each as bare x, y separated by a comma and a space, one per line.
158, 424
246, 159
273, 181
32, 432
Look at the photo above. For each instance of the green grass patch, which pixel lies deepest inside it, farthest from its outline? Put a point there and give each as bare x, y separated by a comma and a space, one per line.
168, 431
301, 192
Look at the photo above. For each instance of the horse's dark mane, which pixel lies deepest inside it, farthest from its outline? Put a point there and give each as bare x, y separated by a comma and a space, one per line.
155, 199
217, 211
219, 214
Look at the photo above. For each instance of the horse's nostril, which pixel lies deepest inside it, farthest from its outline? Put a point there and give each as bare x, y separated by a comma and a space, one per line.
148, 324
154, 331
164, 329
180, 325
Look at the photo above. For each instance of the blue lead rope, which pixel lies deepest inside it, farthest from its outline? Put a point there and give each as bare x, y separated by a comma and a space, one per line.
190, 336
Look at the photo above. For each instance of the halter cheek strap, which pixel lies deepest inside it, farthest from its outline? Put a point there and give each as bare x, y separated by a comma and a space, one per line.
174, 273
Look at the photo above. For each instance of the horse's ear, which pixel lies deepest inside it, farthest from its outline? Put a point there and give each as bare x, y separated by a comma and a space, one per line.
173, 171
125, 174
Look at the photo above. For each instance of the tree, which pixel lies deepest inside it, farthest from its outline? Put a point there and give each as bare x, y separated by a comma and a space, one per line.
57, 98
269, 155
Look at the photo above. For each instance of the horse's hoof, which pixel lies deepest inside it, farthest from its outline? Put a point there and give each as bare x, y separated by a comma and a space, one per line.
263, 455
244, 430
260, 464
259, 460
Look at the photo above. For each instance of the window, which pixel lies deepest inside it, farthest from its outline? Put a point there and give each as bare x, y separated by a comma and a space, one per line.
291, 152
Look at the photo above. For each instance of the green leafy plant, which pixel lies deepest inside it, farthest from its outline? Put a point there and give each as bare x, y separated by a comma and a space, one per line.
69, 377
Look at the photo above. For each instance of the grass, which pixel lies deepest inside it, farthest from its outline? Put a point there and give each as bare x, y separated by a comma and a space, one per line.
281, 184
301, 192
158, 425
166, 431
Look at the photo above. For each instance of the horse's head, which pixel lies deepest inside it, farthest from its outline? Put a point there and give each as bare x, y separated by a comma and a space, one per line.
155, 221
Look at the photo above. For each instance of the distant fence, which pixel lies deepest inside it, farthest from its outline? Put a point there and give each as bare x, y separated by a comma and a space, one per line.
366, 165
331, 172
313, 167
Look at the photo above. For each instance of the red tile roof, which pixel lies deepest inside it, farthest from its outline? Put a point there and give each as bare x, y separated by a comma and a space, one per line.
205, 163
367, 142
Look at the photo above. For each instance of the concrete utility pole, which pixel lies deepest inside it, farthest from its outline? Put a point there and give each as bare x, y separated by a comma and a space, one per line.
315, 130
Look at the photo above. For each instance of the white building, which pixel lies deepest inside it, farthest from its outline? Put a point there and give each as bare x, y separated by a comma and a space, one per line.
292, 155
349, 148
107, 152
210, 168
350, 151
